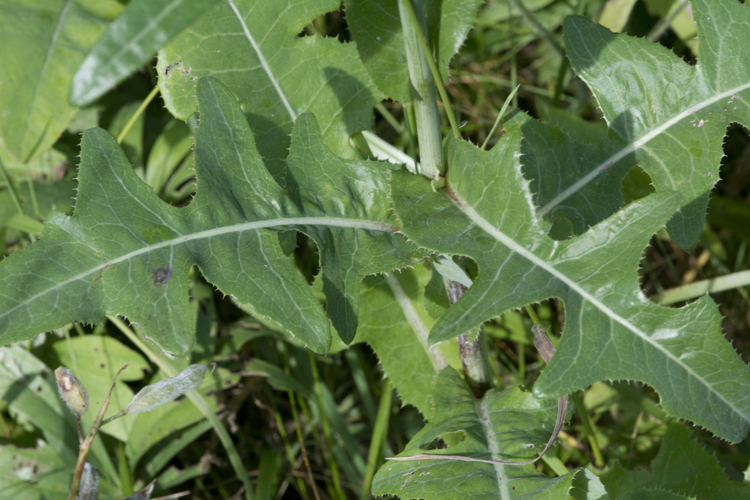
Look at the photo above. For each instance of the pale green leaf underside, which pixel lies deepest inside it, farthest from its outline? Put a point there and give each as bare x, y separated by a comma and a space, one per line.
503, 425
664, 115
252, 47
683, 468
126, 252
612, 331
41, 45
377, 29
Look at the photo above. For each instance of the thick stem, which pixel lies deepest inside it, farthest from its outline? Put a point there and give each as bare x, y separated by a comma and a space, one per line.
473, 355
85, 446
425, 96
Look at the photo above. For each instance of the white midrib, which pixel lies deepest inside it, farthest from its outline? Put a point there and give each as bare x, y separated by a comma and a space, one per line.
263, 62
420, 329
493, 447
633, 146
237, 228
531, 257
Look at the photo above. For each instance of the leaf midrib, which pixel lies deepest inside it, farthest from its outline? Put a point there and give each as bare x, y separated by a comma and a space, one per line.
633, 146
504, 239
236, 228
492, 446
263, 61
418, 327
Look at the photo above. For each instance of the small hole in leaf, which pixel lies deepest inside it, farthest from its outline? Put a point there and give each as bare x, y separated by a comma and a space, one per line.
636, 185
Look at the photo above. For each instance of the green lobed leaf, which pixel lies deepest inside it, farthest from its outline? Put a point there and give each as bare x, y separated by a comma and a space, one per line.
376, 26
503, 425
612, 331
395, 322
252, 47
126, 252
42, 42
664, 115
130, 42
682, 469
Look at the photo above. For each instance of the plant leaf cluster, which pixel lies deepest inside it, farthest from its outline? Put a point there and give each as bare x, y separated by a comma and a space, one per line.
276, 111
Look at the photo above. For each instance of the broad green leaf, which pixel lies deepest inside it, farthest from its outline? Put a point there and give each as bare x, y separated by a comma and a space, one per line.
682, 468
30, 389
126, 252
95, 360
42, 42
34, 473
612, 331
130, 42
503, 425
664, 115
376, 26
252, 47
395, 322
151, 427
587, 486
47, 166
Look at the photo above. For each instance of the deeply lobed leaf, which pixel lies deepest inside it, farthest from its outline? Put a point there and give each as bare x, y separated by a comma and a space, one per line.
682, 468
664, 115
612, 330
503, 425
252, 47
126, 252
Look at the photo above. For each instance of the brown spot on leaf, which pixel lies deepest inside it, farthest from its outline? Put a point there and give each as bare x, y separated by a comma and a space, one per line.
161, 276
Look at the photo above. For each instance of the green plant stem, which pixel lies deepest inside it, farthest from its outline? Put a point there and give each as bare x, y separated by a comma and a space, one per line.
326, 429
499, 118
198, 401
474, 357
11, 189
431, 155
410, 123
85, 446
698, 288
584, 414
422, 38
389, 118
665, 21
32, 191
284, 438
138, 112
537, 26
379, 434
554, 463
560, 81
532, 314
